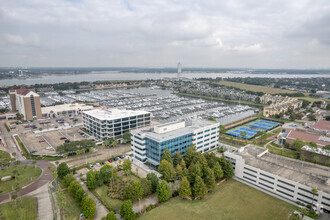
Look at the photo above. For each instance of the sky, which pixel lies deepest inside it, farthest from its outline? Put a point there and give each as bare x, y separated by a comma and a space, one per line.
272, 34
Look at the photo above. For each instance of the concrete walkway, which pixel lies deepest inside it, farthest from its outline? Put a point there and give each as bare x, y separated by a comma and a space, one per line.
144, 203
101, 210
45, 209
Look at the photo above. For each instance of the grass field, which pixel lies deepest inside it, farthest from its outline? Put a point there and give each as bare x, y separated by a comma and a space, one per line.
27, 209
221, 99
112, 204
4, 155
230, 200
26, 175
283, 152
265, 89
255, 88
71, 210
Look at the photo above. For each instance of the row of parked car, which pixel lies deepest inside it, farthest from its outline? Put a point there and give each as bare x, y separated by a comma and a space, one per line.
91, 166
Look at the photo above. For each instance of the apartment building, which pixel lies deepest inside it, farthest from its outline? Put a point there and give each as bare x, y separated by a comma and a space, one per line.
148, 144
113, 123
278, 104
285, 177
26, 102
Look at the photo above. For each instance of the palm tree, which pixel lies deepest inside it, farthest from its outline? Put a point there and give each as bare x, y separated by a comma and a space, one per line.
314, 191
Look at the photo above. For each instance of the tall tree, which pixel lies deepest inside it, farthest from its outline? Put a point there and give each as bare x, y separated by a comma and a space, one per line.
177, 158
126, 210
133, 191
154, 181
314, 192
189, 155
88, 207
80, 194
127, 166
163, 191
111, 216
167, 170
91, 180
184, 188
167, 156
194, 171
62, 170
127, 137
227, 167
106, 173
199, 188
178, 171
209, 178
218, 173
67, 180
146, 186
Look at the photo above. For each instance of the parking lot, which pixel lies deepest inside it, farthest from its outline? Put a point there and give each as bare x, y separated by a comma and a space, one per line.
47, 142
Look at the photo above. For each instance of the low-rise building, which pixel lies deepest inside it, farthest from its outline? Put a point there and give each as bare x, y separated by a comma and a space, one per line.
64, 109
148, 144
113, 123
285, 177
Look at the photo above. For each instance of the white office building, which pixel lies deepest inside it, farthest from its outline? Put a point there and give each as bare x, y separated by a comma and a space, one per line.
113, 123
285, 177
148, 144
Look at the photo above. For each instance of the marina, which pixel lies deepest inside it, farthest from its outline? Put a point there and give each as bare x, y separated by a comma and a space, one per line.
165, 105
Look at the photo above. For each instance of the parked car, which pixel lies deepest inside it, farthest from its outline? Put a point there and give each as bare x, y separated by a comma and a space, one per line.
116, 158
40, 141
122, 156
62, 138
110, 161
91, 166
98, 164
103, 162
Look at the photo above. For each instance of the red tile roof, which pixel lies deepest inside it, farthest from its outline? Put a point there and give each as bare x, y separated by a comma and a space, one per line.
22, 91
307, 137
322, 124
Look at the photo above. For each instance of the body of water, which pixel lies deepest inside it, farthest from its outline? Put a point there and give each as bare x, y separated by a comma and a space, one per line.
113, 75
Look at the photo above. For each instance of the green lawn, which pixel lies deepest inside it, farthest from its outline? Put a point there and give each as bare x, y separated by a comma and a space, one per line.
27, 209
102, 194
72, 210
230, 200
4, 155
26, 175
283, 152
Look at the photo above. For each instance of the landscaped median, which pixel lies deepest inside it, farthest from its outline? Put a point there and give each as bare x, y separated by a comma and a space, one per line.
21, 146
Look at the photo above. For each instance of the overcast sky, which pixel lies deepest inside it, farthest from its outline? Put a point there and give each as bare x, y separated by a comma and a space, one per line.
152, 33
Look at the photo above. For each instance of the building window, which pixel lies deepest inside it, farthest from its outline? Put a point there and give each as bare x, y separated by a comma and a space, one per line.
33, 105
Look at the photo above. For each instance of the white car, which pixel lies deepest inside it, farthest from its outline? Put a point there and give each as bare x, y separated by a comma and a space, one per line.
98, 164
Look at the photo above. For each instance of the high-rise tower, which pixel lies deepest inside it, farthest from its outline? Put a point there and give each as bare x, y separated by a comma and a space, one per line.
179, 69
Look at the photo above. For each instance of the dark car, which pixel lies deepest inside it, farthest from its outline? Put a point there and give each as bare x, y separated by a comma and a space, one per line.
122, 156
116, 158
67, 140
110, 161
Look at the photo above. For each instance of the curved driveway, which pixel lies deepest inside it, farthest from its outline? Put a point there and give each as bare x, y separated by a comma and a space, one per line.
45, 177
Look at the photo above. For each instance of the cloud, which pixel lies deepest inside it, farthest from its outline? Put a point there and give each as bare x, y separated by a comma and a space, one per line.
30, 39
252, 33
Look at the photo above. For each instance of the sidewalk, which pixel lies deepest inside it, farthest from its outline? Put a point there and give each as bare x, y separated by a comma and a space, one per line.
101, 210
144, 203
